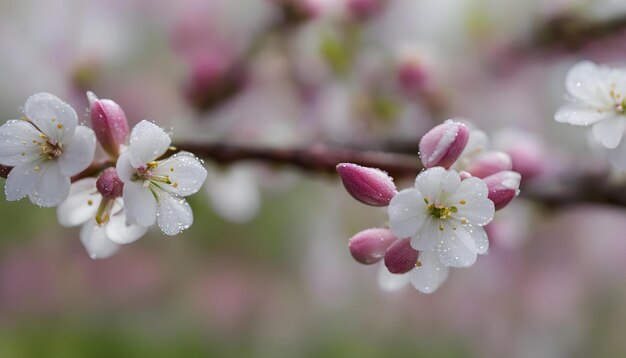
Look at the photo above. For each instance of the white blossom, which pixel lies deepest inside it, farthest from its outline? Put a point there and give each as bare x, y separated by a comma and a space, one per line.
427, 276
154, 190
445, 215
104, 222
45, 148
597, 97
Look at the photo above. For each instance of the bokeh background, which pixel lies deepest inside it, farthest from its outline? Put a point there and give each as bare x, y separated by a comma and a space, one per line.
265, 271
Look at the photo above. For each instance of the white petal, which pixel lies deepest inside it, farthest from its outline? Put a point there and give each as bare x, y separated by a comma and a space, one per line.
430, 275
173, 214
610, 131
93, 237
52, 188
124, 169
16, 142
234, 193
78, 152
52, 116
437, 184
581, 115
589, 83
120, 231
617, 156
81, 205
407, 213
22, 179
147, 142
456, 248
472, 202
139, 204
388, 281
428, 237
479, 236
185, 171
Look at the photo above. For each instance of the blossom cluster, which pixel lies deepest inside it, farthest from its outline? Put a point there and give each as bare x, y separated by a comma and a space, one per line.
437, 224
51, 160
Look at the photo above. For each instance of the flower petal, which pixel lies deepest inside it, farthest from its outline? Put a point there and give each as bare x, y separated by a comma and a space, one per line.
456, 248
81, 205
436, 184
428, 237
147, 142
588, 83
16, 142
93, 237
580, 115
79, 152
53, 117
139, 204
185, 172
22, 180
610, 131
388, 281
173, 214
430, 275
120, 231
407, 213
52, 188
124, 169
472, 202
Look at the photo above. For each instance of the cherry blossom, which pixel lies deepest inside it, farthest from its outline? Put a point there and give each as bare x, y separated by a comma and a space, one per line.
45, 148
154, 189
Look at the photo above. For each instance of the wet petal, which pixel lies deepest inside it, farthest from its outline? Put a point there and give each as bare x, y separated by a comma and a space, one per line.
185, 172
16, 142
22, 180
173, 214
120, 231
581, 115
93, 237
147, 142
456, 248
407, 213
428, 237
430, 275
436, 184
124, 169
472, 202
586, 82
52, 188
139, 204
79, 152
81, 204
610, 131
53, 117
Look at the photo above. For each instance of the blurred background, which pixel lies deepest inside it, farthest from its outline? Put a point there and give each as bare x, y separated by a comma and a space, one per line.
265, 271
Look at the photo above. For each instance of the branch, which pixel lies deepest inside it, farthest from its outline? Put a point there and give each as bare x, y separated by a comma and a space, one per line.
575, 188
573, 32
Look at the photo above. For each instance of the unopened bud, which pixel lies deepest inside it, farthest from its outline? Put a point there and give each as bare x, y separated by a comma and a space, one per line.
400, 257
464, 175
442, 145
4, 171
364, 9
109, 123
369, 246
109, 185
490, 163
370, 186
412, 76
503, 187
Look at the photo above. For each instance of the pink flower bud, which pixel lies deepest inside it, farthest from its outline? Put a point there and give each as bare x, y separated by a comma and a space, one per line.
442, 145
364, 9
400, 257
109, 184
4, 171
503, 187
490, 163
369, 246
370, 186
109, 123
412, 76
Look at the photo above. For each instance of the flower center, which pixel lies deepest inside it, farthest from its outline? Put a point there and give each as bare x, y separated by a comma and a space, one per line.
147, 173
440, 211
